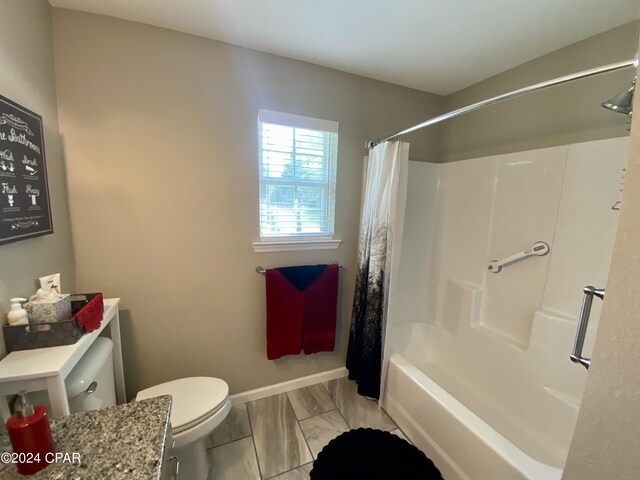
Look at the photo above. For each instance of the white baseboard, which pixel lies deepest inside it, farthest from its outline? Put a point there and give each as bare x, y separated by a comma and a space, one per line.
258, 393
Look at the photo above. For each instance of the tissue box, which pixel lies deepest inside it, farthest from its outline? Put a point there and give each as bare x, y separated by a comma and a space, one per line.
40, 311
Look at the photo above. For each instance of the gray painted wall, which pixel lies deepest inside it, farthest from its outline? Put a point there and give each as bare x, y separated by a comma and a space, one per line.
160, 134
565, 114
26, 77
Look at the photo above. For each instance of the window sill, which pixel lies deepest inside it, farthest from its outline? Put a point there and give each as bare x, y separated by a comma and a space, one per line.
291, 245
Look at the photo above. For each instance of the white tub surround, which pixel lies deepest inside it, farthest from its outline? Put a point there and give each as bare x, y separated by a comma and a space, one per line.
499, 343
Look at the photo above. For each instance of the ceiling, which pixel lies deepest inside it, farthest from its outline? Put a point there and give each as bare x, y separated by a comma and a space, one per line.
438, 46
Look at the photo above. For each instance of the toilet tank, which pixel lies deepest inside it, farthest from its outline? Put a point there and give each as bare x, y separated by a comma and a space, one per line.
90, 385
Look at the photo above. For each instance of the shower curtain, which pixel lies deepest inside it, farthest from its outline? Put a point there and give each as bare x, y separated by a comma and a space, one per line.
384, 195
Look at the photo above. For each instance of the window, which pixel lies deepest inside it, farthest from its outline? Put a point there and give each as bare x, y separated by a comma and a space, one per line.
297, 157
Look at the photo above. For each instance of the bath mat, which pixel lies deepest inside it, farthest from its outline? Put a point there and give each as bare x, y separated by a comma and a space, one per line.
371, 454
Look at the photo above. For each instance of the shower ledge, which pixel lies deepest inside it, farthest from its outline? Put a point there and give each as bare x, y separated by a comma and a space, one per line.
564, 397
512, 341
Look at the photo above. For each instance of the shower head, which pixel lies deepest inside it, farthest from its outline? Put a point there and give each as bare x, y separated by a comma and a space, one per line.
623, 102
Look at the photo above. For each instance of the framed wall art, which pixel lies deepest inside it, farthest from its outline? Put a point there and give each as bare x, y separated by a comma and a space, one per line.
25, 210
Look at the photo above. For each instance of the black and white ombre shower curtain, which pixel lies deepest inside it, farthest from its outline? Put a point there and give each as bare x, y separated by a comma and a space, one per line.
383, 201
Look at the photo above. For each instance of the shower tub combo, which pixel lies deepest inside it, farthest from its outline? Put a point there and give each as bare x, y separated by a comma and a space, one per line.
478, 369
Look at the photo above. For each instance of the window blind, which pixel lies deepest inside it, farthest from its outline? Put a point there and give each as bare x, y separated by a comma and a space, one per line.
298, 157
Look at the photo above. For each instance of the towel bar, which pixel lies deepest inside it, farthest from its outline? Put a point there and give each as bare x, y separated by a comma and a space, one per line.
262, 271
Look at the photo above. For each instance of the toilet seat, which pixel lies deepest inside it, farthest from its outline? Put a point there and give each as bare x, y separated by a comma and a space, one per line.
195, 400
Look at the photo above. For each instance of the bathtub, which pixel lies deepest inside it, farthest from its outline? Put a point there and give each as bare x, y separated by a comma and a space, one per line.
464, 429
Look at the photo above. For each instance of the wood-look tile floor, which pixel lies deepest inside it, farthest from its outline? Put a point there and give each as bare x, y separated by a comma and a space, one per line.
278, 437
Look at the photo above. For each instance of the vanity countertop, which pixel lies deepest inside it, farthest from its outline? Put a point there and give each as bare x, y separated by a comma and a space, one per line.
125, 441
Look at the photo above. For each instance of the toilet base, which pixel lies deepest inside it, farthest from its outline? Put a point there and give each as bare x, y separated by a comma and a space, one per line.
200, 404
194, 461
190, 448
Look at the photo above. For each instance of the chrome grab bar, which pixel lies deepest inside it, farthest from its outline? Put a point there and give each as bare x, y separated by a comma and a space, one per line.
539, 249
587, 299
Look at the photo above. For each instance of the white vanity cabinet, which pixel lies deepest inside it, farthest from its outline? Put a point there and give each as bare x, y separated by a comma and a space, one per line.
47, 368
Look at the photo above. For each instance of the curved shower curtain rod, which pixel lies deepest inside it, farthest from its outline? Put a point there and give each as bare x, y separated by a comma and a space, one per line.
612, 67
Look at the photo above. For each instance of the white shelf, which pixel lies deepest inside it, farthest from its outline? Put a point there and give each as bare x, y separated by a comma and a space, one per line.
47, 368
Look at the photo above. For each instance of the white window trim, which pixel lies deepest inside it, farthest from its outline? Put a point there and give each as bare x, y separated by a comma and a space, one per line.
289, 242
286, 119
289, 245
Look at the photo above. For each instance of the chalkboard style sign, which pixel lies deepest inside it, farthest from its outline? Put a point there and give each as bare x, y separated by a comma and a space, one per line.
25, 210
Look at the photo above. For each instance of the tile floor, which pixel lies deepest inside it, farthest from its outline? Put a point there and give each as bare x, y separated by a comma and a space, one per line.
279, 437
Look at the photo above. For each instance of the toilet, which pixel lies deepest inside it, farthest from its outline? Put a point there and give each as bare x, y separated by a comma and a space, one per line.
199, 405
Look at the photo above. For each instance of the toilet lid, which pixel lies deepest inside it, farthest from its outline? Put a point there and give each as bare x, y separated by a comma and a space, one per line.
194, 399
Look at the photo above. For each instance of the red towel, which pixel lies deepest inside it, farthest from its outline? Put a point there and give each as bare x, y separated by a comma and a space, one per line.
302, 312
284, 316
320, 304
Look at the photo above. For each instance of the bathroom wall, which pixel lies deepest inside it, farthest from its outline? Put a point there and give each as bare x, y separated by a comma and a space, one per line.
160, 134
559, 116
26, 77
606, 441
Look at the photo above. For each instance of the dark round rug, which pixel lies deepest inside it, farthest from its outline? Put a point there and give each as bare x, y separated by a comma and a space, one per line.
371, 454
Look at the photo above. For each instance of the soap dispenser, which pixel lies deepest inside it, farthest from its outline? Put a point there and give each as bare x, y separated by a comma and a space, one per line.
30, 436
17, 315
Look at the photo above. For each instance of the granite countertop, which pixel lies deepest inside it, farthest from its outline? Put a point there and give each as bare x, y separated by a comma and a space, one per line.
125, 441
